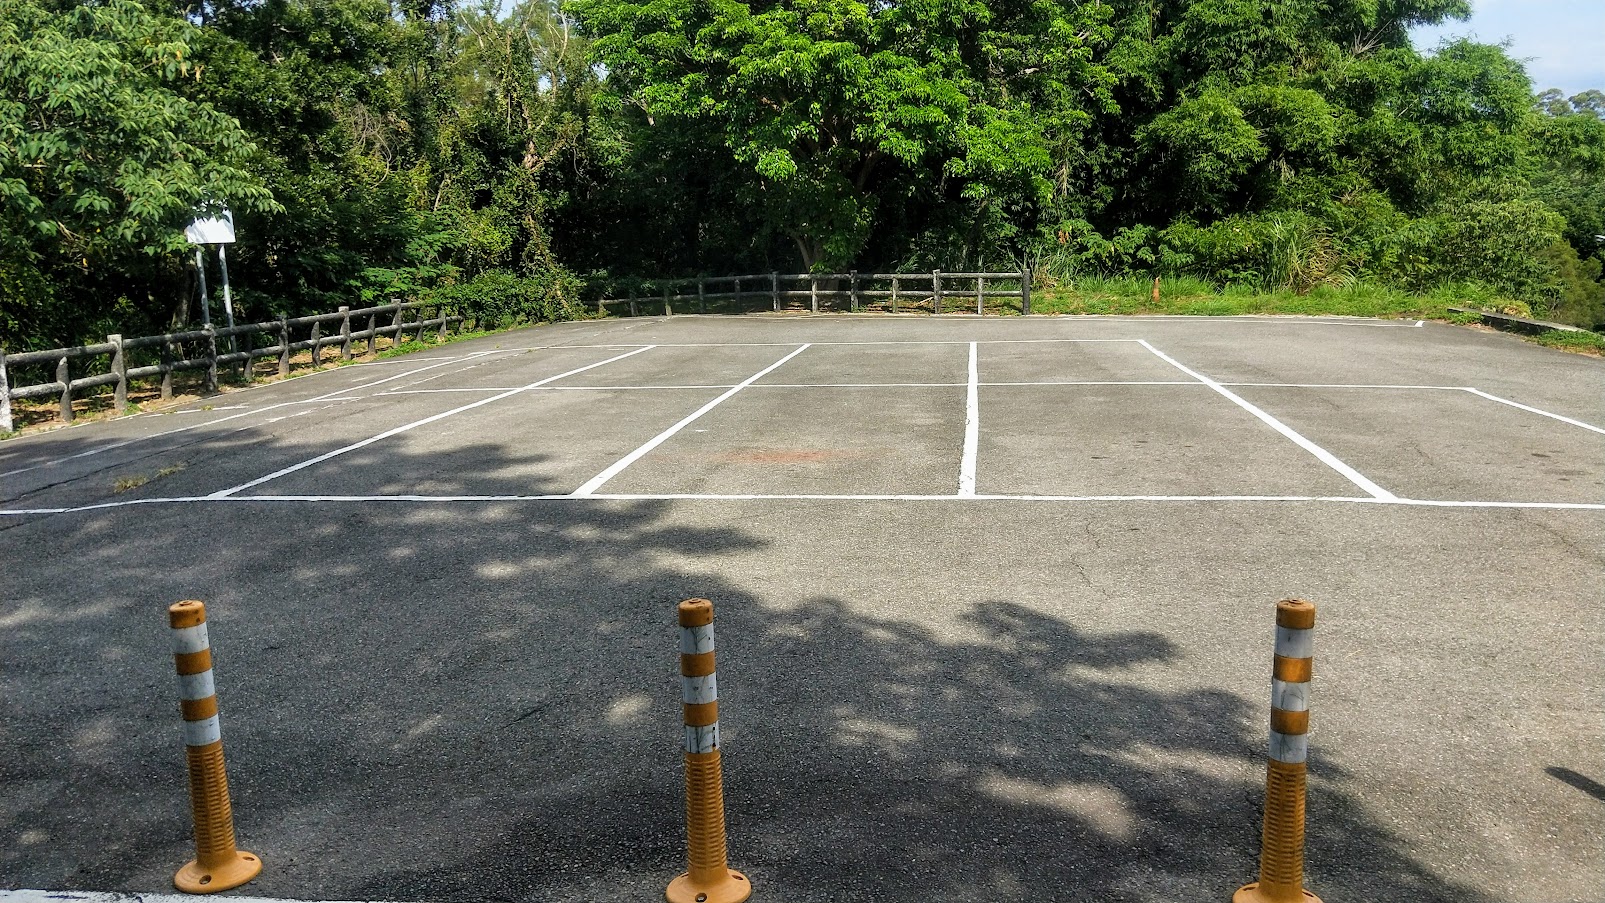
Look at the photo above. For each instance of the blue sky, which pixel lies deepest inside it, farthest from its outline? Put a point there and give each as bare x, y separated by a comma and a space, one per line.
1561, 41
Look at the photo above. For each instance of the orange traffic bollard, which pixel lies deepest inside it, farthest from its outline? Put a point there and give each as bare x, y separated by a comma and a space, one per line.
217, 864
1281, 862
709, 879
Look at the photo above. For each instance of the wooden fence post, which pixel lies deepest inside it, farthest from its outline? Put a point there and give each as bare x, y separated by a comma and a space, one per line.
211, 358
852, 290
397, 338
894, 294
980, 295
317, 343
936, 292
247, 371
774, 289
167, 370
345, 333
440, 330
119, 366
1025, 291
284, 346
702, 296
6, 423
633, 310
64, 376
813, 293
373, 335
668, 311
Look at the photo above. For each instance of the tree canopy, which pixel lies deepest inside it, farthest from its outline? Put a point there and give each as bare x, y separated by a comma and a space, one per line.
535, 152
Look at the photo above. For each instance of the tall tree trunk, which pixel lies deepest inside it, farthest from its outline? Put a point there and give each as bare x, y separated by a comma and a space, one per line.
810, 251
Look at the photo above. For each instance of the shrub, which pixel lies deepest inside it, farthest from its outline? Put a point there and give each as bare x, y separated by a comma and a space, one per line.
501, 297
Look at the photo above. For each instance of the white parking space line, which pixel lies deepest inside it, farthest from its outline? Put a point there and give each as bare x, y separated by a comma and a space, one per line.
826, 344
937, 385
224, 493
183, 429
1337, 386
801, 497
617, 467
1104, 382
1326, 457
553, 389
972, 429
1552, 416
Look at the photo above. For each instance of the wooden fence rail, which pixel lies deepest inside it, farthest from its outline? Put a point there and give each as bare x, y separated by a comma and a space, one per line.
198, 350
931, 291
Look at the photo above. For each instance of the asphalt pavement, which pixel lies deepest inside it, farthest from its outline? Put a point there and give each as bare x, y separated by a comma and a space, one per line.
994, 601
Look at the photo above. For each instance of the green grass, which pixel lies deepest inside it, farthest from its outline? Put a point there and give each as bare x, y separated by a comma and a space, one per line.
1586, 342
1128, 296
412, 345
1199, 298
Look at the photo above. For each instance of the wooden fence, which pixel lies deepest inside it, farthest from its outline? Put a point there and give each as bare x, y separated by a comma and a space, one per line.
160, 356
935, 292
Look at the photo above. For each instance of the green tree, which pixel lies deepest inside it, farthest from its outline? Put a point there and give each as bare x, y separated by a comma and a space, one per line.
101, 160
832, 105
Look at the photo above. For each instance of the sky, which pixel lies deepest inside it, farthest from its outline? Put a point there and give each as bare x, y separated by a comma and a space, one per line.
1562, 42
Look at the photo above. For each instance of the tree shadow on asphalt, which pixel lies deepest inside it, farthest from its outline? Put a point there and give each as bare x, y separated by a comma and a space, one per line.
479, 702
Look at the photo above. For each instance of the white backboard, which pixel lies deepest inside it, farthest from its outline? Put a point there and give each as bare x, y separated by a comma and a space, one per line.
218, 230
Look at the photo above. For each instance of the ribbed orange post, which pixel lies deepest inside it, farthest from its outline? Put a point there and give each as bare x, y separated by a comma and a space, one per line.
217, 864
1281, 861
709, 878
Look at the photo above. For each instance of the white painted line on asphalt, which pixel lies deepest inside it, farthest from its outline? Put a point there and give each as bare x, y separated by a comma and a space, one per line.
388, 392
972, 428
947, 385
1326, 457
1446, 503
195, 426
80, 896
851, 344
618, 466
1334, 386
1106, 382
549, 389
805, 497
225, 493
635, 388
858, 385
1552, 416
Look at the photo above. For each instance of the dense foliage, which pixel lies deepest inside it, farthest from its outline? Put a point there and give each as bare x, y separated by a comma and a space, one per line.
519, 156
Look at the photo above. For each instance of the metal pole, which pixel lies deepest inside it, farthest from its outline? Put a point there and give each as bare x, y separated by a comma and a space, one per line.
200, 269
6, 424
228, 299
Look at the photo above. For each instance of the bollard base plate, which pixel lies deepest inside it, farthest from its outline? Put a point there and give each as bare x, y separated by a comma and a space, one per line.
195, 879
1250, 893
734, 889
